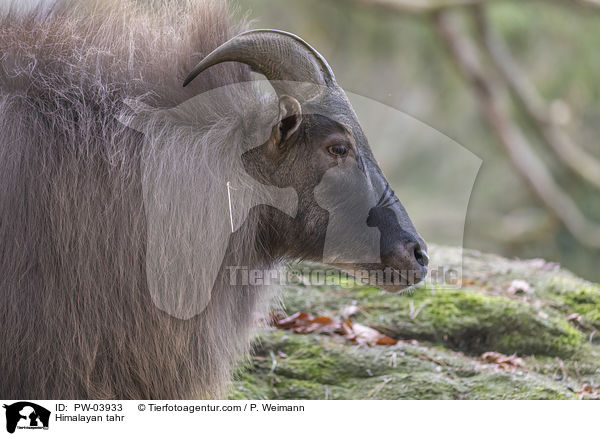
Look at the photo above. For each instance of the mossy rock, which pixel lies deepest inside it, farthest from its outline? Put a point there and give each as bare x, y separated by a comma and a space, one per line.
452, 326
473, 322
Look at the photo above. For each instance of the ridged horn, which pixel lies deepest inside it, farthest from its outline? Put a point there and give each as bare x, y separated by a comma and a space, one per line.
278, 55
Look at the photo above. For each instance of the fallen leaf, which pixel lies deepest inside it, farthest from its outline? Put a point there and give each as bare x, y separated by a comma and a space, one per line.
502, 361
386, 340
518, 287
303, 323
350, 310
362, 334
589, 392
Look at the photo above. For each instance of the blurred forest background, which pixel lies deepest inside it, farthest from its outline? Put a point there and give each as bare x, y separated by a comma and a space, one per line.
514, 82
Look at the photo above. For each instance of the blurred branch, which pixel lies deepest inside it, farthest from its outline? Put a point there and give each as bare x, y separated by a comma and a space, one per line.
576, 158
595, 3
418, 6
427, 6
533, 170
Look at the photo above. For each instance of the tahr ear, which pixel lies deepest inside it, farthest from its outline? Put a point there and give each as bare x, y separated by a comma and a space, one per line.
290, 117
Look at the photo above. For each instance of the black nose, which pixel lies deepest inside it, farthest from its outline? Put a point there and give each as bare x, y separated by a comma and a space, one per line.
421, 256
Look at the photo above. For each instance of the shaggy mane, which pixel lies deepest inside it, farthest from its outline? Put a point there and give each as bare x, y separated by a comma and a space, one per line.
76, 315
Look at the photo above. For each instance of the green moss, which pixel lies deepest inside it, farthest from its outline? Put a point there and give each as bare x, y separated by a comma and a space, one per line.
246, 385
293, 389
309, 364
416, 386
586, 302
341, 370
473, 322
516, 386
367, 291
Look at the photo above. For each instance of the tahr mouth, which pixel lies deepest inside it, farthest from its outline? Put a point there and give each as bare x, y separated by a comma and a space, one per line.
385, 277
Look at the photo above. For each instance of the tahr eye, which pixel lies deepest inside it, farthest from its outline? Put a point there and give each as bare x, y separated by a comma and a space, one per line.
339, 150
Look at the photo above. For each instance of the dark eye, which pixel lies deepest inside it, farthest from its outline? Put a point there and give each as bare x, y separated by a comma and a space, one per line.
339, 150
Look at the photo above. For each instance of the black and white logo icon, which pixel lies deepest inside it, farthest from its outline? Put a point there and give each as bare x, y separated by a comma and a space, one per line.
26, 415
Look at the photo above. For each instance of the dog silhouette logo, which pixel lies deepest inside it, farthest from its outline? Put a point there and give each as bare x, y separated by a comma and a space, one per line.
26, 415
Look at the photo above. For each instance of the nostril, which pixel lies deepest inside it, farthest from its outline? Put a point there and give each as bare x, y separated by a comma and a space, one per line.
421, 256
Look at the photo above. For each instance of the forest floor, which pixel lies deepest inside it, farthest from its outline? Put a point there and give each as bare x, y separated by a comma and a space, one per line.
515, 329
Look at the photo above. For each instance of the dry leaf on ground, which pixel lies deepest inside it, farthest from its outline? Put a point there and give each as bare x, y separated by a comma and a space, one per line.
302, 322
575, 318
589, 392
362, 334
503, 361
518, 287
350, 310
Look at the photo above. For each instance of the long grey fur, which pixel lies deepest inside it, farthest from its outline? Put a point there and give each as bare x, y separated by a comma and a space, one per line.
76, 317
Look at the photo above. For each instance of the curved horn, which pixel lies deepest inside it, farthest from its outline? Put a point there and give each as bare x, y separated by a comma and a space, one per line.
276, 54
